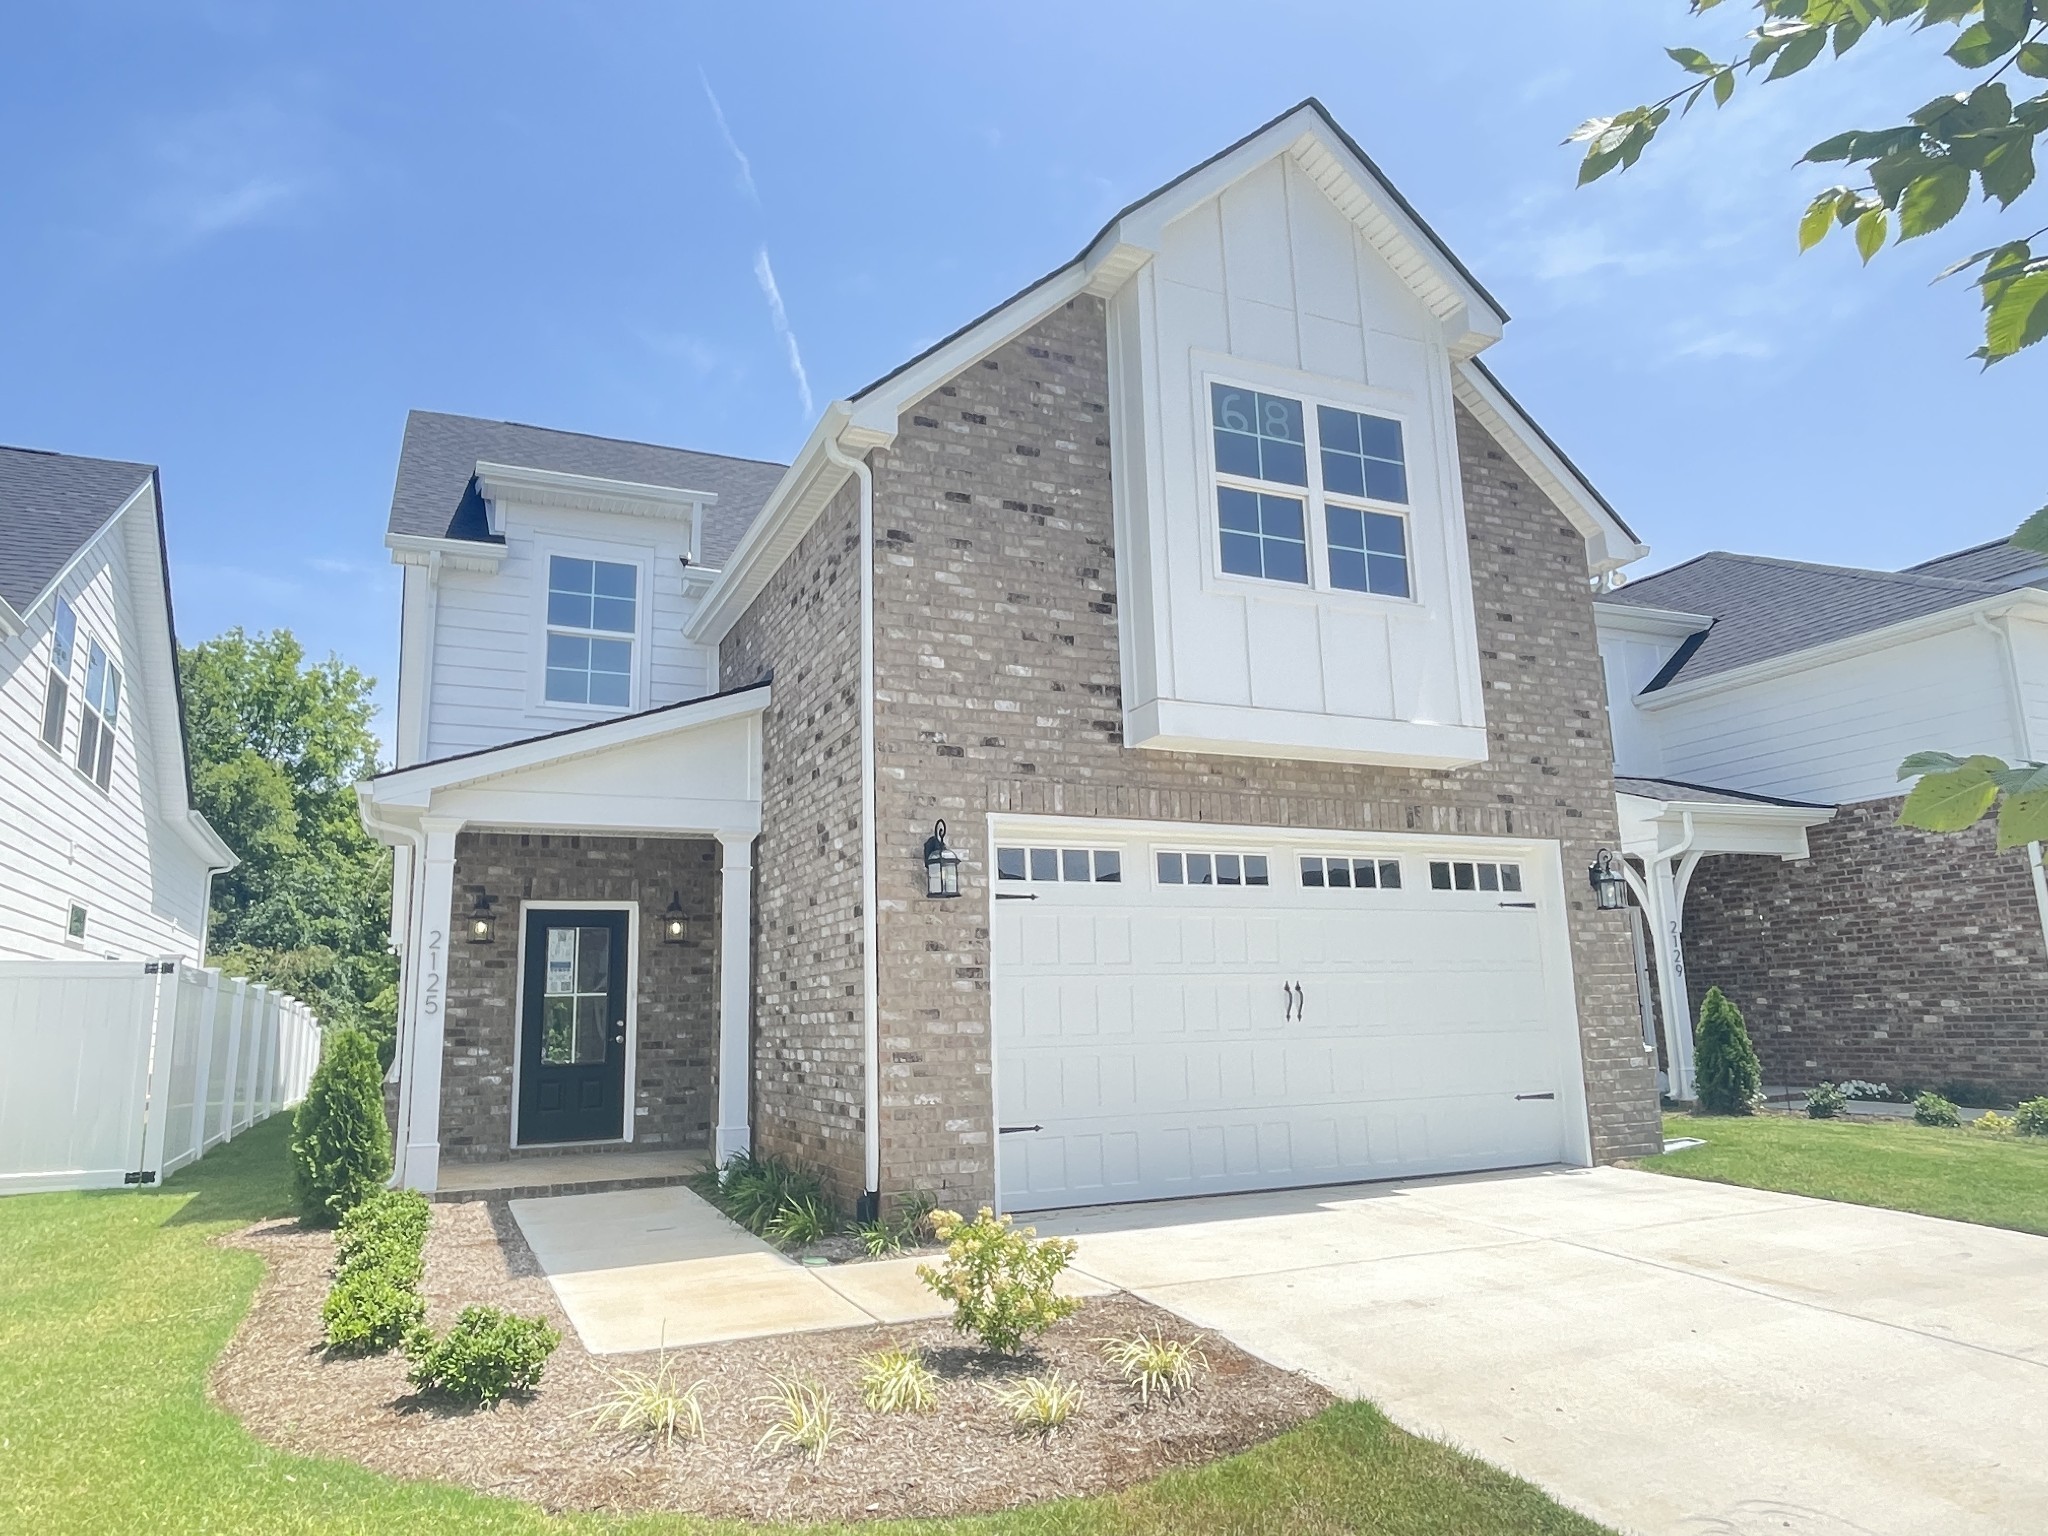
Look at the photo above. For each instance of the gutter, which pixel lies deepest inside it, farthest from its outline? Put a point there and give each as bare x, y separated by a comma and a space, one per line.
871, 1073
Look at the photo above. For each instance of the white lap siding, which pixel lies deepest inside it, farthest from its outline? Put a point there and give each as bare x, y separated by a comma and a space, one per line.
62, 839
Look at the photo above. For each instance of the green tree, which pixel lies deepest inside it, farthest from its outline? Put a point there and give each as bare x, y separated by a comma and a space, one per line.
1726, 1074
277, 746
1913, 176
341, 1146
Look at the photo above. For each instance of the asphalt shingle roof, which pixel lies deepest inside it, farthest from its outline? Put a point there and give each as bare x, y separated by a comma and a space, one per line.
1678, 789
51, 505
436, 494
1763, 607
1996, 562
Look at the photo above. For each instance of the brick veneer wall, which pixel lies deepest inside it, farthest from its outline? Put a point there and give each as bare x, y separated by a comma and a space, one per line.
997, 686
677, 994
1891, 954
809, 1035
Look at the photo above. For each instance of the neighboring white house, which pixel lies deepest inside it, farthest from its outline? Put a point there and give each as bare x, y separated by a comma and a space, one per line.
102, 855
1763, 706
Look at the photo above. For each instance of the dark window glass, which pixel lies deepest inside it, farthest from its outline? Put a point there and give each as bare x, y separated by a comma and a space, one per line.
1009, 863
1364, 874
1368, 551
1511, 877
1169, 869
1340, 873
1258, 436
1489, 877
1311, 871
55, 703
1074, 864
1362, 455
1228, 869
1255, 869
1439, 875
1200, 869
1390, 874
1464, 876
1109, 866
1045, 863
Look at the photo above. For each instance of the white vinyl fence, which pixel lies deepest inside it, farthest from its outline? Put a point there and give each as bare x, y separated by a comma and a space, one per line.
123, 1071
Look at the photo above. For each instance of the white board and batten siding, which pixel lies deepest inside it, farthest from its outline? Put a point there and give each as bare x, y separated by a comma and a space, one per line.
1270, 286
157, 1063
63, 839
488, 629
1154, 1041
1834, 733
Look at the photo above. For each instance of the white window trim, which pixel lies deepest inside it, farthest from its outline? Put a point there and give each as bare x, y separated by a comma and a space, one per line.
637, 689
52, 677
1309, 392
1208, 850
104, 735
629, 1094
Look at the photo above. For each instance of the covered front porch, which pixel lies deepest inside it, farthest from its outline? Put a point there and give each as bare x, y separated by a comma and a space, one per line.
574, 914
1667, 827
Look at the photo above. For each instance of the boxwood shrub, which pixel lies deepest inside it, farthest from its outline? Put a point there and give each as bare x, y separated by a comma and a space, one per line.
489, 1354
376, 1302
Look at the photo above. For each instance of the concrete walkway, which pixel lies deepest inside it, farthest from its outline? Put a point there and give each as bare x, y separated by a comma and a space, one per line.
1665, 1355
642, 1269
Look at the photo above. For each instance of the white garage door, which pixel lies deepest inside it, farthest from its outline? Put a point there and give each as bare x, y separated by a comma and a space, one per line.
1181, 1020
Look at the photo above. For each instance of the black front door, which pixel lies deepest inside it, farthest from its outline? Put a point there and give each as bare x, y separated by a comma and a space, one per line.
572, 1038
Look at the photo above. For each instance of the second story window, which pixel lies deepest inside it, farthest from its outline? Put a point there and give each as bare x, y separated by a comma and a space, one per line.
1283, 470
97, 718
63, 641
593, 616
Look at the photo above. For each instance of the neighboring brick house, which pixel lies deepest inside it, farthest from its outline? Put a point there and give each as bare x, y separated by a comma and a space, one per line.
1151, 743
1854, 946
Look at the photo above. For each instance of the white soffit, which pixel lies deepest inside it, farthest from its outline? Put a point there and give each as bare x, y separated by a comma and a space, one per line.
583, 493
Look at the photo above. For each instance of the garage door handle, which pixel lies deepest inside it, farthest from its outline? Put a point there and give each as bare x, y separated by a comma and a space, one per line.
1521, 1096
1300, 1002
1529, 904
1012, 1130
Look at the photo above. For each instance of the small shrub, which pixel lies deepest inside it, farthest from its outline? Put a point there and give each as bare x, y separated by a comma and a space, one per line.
655, 1405
1933, 1109
340, 1147
897, 1381
1992, 1121
802, 1219
1156, 1365
1726, 1074
489, 1354
1825, 1101
805, 1421
370, 1312
387, 1229
1040, 1404
2031, 1118
998, 1279
753, 1191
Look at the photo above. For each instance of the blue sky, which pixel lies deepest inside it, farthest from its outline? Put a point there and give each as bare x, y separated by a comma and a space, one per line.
242, 239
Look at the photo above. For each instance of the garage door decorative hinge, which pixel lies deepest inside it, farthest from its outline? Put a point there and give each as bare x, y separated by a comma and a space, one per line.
1521, 1096
1529, 904
1016, 896
1011, 1130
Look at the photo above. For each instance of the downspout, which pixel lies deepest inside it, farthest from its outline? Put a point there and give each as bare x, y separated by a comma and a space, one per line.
2023, 735
871, 1075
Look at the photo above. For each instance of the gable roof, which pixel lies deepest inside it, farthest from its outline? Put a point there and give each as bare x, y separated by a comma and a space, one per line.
51, 506
1471, 317
1764, 608
436, 496
1999, 561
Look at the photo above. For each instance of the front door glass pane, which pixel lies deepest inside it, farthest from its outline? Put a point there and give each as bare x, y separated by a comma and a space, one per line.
574, 1027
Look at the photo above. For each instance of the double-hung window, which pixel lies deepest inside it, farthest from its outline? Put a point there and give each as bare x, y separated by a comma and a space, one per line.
57, 699
97, 718
1313, 497
593, 618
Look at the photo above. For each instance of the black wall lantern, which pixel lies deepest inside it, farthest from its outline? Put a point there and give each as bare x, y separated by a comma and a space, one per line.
483, 922
675, 927
1609, 885
941, 864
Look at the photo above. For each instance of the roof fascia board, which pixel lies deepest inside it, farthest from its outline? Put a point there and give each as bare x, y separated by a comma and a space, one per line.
2023, 602
1640, 619
586, 493
413, 786
1723, 810
427, 551
1610, 542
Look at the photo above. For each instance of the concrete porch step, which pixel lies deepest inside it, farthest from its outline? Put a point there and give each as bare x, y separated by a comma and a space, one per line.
573, 1173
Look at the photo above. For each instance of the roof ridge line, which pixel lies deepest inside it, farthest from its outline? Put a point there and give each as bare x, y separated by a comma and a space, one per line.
595, 437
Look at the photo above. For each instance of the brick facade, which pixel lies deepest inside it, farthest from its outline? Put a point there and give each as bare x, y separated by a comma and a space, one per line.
677, 996
1891, 954
809, 1033
998, 689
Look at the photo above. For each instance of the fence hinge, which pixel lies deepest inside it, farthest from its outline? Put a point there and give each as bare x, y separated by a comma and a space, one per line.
158, 967
140, 1176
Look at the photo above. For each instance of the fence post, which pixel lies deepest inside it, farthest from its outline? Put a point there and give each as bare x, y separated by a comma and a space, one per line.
209, 983
226, 1129
160, 991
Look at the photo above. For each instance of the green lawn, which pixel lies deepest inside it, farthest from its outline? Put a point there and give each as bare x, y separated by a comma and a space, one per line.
1996, 1181
113, 1304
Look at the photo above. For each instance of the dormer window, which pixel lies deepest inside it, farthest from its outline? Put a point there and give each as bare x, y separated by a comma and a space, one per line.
1283, 470
593, 617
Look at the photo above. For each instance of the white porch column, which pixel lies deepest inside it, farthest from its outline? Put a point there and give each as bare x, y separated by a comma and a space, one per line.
427, 958
735, 993
1666, 911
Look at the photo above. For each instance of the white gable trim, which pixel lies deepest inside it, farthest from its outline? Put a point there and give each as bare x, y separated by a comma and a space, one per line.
584, 493
1635, 619
1610, 544
434, 555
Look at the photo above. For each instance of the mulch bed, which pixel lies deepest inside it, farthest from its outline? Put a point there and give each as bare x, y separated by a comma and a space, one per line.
961, 1458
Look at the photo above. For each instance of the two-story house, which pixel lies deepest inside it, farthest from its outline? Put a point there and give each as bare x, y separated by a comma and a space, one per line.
102, 855
1857, 947
1151, 743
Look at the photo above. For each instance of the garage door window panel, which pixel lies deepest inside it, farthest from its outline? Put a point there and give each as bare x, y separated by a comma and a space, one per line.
1057, 866
1474, 875
1178, 867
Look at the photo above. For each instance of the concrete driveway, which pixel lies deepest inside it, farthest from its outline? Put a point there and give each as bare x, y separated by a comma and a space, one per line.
1665, 1355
